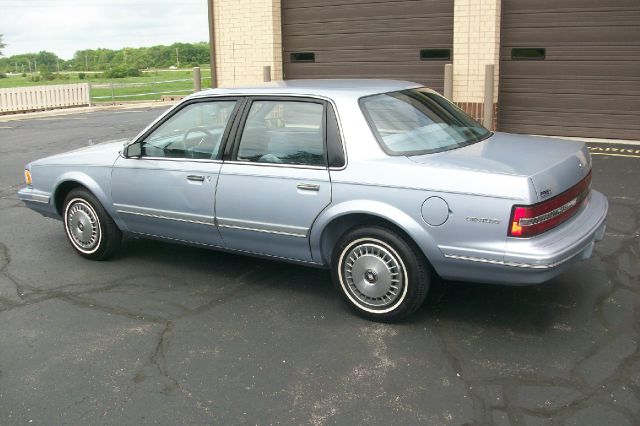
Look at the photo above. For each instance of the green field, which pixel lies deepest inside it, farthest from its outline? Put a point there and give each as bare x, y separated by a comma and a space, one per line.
154, 78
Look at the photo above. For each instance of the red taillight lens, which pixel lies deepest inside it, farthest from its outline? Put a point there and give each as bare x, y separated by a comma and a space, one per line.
527, 221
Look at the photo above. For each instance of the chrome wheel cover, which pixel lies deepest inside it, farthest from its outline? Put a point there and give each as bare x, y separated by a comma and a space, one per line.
82, 226
373, 274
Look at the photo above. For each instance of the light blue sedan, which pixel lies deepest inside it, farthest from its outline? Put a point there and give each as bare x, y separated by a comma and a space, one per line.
384, 182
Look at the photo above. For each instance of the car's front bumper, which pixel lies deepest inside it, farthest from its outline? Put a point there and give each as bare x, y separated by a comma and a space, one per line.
538, 259
38, 201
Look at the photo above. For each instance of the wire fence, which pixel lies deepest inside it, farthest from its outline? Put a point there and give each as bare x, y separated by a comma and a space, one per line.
101, 92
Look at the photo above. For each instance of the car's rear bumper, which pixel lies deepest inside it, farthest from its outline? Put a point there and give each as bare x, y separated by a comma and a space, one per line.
38, 201
538, 259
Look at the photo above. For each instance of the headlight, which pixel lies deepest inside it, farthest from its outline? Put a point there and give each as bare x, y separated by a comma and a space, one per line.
27, 177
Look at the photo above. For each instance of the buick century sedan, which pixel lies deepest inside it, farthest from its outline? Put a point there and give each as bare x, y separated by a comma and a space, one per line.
385, 183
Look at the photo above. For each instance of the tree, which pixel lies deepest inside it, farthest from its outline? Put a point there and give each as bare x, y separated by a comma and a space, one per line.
1, 44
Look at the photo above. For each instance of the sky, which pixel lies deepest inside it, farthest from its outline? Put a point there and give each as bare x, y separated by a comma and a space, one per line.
64, 26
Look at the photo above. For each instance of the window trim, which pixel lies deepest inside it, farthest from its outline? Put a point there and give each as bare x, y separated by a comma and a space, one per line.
448, 49
302, 61
530, 58
231, 154
163, 119
336, 156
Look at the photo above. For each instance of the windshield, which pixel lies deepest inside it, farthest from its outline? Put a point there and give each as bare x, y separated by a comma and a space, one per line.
418, 121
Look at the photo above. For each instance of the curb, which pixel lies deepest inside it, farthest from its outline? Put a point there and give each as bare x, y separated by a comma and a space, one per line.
80, 110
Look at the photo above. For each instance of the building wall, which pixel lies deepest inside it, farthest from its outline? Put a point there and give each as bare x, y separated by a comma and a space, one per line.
248, 38
476, 43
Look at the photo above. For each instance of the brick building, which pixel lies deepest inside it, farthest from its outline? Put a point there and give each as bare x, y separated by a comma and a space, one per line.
563, 67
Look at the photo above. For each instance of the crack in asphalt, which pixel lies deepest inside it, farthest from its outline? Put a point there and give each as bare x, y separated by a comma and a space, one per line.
619, 268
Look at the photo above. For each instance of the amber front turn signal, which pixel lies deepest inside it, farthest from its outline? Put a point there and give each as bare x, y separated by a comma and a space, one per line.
27, 177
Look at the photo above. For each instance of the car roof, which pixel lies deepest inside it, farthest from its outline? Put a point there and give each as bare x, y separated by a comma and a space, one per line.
319, 87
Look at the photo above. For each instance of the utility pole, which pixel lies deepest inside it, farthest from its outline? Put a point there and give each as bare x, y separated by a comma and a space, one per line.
35, 65
177, 58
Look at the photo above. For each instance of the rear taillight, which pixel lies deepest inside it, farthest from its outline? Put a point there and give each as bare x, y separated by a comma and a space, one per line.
527, 221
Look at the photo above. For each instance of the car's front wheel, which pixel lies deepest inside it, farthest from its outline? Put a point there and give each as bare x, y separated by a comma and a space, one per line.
379, 274
89, 228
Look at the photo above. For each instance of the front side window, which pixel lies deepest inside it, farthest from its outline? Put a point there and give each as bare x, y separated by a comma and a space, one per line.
194, 132
418, 121
284, 132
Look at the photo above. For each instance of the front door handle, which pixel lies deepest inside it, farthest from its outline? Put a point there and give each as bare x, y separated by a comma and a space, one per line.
308, 187
196, 178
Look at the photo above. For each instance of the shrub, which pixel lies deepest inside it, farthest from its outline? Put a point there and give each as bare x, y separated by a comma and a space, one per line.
121, 72
81, 75
3, 75
133, 72
35, 77
24, 74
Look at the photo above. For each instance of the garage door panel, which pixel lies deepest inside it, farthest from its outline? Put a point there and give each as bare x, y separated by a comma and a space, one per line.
580, 118
294, 11
604, 70
417, 40
298, 4
359, 26
544, 37
572, 86
582, 52
404, 55
575, 6
574, 18
424, 74
575, 102
588, 84
365, 39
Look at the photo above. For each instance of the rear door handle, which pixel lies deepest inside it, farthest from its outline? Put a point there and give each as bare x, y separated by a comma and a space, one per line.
308, 187
196, 178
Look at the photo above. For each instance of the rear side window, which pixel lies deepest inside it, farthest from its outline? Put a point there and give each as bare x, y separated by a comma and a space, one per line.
284, 132
418, 121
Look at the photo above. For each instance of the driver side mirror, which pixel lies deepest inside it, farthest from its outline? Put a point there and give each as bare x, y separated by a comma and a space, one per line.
133, 151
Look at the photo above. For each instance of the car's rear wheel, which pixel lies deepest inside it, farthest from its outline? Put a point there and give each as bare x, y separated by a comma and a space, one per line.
90, 230
379, 274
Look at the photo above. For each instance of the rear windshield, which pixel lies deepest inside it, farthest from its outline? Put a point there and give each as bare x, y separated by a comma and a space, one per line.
418, 121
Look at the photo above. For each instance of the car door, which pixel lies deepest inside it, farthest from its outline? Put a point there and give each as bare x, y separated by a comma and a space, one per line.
168, 190
276, 180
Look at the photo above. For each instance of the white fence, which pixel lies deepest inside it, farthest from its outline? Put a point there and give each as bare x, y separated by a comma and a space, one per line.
34, 98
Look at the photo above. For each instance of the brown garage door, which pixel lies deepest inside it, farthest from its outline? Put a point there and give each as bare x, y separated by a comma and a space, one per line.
365, 38
586, 81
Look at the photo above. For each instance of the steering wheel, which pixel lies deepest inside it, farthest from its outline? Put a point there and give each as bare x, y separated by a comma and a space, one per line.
207, 133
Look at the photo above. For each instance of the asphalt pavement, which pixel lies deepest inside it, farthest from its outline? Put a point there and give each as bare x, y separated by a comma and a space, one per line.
169, 334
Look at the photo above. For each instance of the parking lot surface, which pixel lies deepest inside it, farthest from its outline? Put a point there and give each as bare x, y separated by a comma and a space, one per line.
168, 334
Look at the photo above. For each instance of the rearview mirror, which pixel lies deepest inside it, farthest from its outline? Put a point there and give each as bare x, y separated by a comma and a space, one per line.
133, 151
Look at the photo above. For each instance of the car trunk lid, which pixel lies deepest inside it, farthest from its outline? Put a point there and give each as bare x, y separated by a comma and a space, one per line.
553, 165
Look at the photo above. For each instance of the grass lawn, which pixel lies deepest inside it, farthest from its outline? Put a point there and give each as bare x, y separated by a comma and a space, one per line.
147, 77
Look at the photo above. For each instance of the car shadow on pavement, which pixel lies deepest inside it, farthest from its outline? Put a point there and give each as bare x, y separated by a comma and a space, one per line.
530, 309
